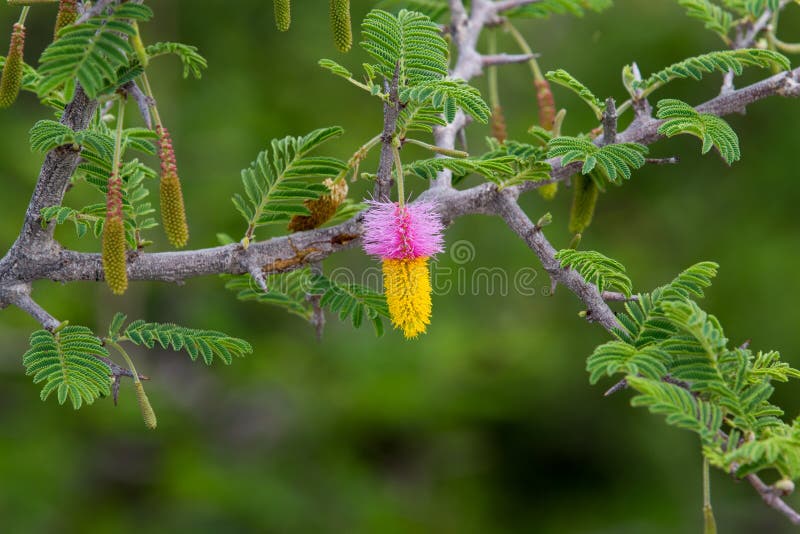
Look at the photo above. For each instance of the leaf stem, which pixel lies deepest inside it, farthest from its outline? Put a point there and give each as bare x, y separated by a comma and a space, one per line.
437, 149
128, 361
152, 101
710, 524
24, 15
526, 49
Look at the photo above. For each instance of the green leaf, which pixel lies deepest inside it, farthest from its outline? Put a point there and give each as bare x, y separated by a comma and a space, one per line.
597, 269
207, 343
193, 63
92, 51
713, 131
565, 79
277, 183
615, 161
724, 61
66, 362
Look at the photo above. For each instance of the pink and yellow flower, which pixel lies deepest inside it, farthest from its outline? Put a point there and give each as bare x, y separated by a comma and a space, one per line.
405, 237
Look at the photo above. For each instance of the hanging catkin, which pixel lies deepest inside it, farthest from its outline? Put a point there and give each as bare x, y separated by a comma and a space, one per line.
283, 14
173, 213
11, 80
114, 262
584, 201
340, 24
67, 15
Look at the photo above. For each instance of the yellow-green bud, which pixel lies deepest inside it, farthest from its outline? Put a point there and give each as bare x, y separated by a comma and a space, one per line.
283, 14
583, 203
67, 15
138, 46
548, 192
340, 24
148, 415
114, 261
11, 79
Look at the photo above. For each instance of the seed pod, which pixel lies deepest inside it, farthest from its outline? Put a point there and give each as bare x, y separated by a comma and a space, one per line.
322, 209
173, 212
148, 414
138, 46
499, 131
408, 294
11, 79
340, 24
67, 15
547, 104
583, 203
114, 261
549, 191
283, 14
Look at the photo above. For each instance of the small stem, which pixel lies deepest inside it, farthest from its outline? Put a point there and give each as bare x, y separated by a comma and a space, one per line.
149, 92
118, 140
439, 150
710, 525
125, 356
24, 15
494, 93
401, 192
526, 49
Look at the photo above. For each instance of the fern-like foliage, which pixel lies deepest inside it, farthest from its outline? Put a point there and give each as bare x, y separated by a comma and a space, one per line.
354, 301
47, 134
67, 363
680, 407
596, 268
675, 356
546, 8
193, 63
292, 290
411, 44
713, 16
448, 95
409, 41
565, 79
617, 357
752, 8
713, 131
204, 343
278, 181
505, 164
724, 61
92, 51
615, 161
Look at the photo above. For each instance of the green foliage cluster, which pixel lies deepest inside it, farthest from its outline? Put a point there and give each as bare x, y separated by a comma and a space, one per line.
298, 291
681, 118
614, 161
277, 182
678, 360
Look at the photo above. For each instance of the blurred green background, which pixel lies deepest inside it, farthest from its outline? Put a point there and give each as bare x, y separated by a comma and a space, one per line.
485, 424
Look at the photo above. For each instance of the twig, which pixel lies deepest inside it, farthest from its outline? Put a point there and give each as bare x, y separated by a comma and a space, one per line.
505, 59
507, 5
773, 499
143, 102
391, 110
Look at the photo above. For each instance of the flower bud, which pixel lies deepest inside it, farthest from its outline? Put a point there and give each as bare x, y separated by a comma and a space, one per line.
11, 79
340, 24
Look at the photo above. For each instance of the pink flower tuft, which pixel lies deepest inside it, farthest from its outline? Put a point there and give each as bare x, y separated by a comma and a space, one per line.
408, 232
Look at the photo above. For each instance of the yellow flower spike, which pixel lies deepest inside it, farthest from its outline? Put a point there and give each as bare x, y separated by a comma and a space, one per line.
340, 24
283, 14
114, 261
408, 294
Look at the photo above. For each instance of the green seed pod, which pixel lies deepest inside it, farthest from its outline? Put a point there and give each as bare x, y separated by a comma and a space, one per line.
67, 15
173, 212
11, 79
322, 209
138, 46
340, 24
583, 203
148, 414
549, 191
283, 14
